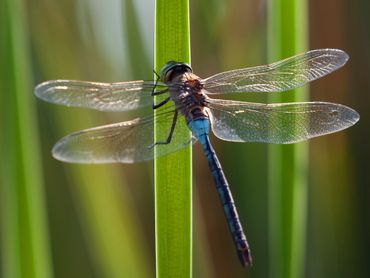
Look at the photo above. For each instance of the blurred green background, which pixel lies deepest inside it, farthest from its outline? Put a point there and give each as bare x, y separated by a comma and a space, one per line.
63, 220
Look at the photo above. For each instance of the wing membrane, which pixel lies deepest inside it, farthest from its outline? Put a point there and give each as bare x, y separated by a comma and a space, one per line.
280, 123
125, 142
280, 76
121, 96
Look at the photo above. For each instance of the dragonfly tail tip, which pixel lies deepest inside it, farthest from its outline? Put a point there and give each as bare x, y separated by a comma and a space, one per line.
245, 257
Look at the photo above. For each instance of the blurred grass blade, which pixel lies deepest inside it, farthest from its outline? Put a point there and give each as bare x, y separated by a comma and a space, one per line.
173, 172
287, 36
138, 61
108, 221
25, 241
116, 245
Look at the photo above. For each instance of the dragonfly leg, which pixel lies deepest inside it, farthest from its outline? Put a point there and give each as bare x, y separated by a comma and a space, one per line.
156, 93
156, 82
169, 137
155, 106
157, 75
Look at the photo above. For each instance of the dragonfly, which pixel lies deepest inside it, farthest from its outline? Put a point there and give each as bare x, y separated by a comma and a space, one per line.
187, 98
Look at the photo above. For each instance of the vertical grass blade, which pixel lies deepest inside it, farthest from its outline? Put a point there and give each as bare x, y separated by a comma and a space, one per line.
287, 35
173, 172
24, 236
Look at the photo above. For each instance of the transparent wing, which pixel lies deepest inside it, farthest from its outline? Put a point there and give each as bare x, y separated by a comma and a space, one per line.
120, 96
280, 76
280, 123
125, 142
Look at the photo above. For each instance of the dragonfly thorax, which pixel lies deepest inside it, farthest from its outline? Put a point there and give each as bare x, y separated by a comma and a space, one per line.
187, 93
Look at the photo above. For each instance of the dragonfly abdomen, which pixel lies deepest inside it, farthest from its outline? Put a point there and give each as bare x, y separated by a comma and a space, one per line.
228, 205
200, 129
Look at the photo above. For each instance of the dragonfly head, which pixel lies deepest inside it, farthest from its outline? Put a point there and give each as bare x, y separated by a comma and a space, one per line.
172, 68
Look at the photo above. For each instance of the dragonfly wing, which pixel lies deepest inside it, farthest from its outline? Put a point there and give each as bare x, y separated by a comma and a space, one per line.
279, 76
125, 142
280, 123
121, 96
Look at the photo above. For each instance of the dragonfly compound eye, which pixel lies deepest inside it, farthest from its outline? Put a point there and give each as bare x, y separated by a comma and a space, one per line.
171, 68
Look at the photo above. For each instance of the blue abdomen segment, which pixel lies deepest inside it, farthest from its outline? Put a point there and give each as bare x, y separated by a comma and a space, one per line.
200, 129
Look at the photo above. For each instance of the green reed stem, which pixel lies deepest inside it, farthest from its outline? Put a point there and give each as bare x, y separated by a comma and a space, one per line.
287, 36
173, 173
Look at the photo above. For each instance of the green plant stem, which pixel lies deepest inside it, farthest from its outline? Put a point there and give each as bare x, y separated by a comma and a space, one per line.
24, 238
173, 172
287, 36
